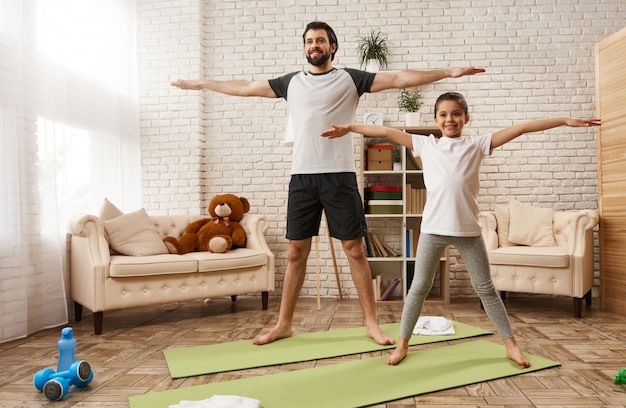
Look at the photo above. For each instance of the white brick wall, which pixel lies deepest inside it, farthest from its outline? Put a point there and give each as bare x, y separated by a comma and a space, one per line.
539, 56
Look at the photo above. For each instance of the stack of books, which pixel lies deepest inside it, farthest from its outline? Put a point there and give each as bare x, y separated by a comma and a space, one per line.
383, 200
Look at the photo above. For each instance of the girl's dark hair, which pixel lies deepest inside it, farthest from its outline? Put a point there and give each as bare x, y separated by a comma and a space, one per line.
317, 25
452, 96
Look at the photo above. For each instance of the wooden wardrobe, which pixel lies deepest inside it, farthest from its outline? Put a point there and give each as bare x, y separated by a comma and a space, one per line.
611, 108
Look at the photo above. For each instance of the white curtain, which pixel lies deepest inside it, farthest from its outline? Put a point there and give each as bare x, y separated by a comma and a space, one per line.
69, 137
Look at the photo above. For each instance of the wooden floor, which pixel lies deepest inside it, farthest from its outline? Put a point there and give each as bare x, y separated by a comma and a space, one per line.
127, 358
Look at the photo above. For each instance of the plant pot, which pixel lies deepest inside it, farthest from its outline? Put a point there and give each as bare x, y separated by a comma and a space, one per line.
372, 65
412, 119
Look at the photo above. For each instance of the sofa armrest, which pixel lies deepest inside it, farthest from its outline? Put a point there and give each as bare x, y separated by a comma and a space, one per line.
255, 226
489, 225
90, 260
580, 237
91, 228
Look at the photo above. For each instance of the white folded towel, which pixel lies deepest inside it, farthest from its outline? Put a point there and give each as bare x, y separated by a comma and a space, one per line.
433, 326
220, 401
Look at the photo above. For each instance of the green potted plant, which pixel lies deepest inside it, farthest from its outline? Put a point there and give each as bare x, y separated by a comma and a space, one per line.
373, 50
410, 101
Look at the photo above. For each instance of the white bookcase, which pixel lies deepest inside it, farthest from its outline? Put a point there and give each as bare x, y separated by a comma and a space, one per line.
394, 228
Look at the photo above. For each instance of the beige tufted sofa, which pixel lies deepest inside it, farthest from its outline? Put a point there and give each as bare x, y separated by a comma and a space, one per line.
101, 281
564, 269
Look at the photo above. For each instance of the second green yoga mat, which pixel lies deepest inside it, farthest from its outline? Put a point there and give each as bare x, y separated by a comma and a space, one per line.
358, 383
242, 354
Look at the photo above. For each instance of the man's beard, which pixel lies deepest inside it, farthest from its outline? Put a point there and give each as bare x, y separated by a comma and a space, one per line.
318, 62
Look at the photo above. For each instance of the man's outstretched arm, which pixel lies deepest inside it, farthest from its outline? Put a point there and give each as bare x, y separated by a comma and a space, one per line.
410, 78
235, 87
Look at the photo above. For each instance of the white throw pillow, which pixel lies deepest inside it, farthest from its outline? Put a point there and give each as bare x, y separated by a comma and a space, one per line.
503, 220
530, 225
134, 234
108, 211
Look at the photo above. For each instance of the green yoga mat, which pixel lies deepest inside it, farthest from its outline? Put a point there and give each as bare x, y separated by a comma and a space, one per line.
239, 355
362, 382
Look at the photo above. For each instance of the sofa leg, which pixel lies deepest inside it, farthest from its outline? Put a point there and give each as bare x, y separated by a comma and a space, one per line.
578, 305
502, 294
78, 311
97, 322
233, 298
588, 298
264, 299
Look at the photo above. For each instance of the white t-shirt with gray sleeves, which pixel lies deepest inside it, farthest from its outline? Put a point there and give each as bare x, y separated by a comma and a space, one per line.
451, 176
316, 101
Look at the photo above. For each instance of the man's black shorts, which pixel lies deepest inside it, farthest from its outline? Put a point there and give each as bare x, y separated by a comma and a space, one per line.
337, 194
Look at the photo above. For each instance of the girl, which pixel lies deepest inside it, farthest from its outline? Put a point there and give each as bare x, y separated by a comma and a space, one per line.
451, 175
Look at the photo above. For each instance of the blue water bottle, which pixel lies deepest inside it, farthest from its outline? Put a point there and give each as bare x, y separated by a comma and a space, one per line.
66, 344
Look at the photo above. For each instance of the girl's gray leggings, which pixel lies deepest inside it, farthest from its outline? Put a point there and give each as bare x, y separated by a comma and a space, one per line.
430, 248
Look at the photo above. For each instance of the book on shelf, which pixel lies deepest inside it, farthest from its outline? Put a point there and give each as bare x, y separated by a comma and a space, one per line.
390, 250
415, 199
369, 245
387, 293
383, 193
410, 273
377, 248
377, 283
409, 198
412, 237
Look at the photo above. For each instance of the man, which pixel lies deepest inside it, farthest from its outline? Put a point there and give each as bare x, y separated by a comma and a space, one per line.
323, 174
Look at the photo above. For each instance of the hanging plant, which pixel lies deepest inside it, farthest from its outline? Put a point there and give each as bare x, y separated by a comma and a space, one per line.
373, 46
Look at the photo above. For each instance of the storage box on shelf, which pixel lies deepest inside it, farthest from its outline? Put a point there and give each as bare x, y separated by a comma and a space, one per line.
379, 157
394, 201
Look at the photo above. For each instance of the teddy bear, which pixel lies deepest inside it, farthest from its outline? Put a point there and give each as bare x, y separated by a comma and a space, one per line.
217, 234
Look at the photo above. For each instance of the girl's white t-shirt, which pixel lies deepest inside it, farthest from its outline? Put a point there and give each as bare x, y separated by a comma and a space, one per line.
451, 176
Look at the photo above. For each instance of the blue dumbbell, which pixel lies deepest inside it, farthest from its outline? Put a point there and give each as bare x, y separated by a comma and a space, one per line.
56, 385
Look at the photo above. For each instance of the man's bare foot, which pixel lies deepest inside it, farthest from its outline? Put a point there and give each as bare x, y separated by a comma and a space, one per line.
379, 336
397, 356
518, 357
276, 333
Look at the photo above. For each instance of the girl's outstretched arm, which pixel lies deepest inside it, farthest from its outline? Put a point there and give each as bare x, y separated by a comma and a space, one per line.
506, 135
394, 135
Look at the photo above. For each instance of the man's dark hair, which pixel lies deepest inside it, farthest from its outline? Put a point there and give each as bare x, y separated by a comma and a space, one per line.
317, 25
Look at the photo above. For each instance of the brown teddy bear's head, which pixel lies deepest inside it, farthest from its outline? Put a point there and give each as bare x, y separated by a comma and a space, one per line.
229, 205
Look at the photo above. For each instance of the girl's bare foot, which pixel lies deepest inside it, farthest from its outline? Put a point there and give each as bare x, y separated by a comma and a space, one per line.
399, 353
379, 336
518, 357
396, 357
274, 334
514, 353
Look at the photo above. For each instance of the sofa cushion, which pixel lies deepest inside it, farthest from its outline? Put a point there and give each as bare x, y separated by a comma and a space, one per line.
530, 225
547, 257
134, 234
123, 266
172, 264
234, 259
